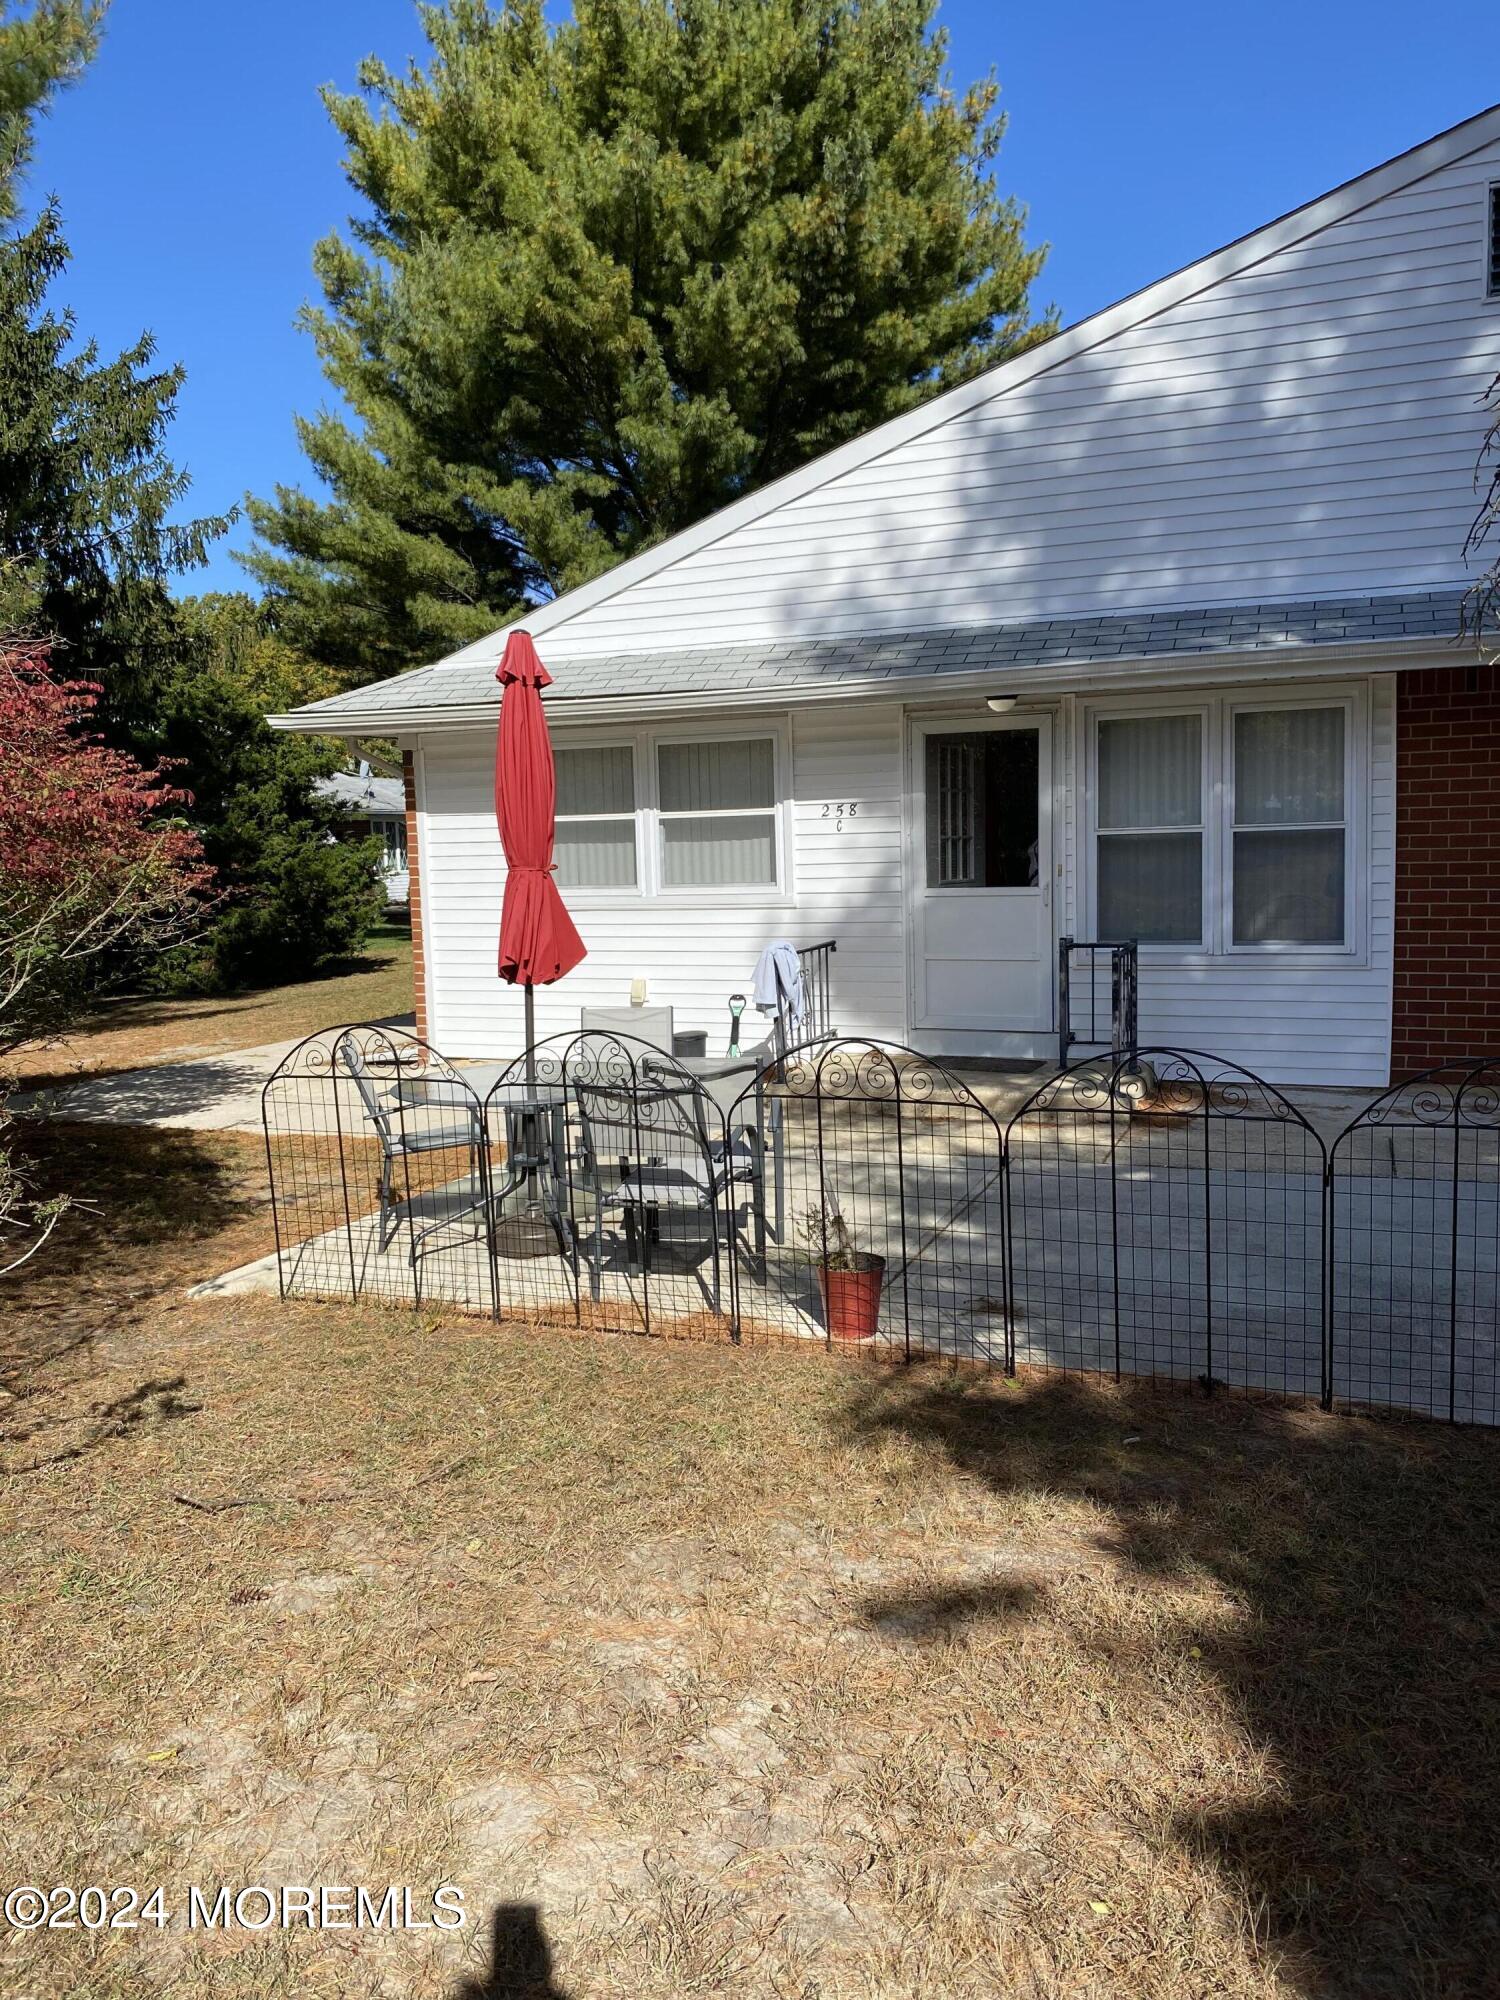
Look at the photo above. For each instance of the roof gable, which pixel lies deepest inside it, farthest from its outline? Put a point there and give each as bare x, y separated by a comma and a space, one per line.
1293, 418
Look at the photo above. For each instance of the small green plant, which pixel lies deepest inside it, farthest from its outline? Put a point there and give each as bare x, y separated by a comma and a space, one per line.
830, 1240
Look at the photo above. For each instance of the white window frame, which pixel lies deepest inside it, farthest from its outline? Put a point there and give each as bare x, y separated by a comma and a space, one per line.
649, 885
1156, 711
584, 894
741, 893
1353, 792
1218, 710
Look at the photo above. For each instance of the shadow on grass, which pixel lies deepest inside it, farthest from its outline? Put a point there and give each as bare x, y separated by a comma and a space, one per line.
146, 1201
520, 1966
1365, 1559
57, 1439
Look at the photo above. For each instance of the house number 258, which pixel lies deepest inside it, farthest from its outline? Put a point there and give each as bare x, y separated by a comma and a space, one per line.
845, 809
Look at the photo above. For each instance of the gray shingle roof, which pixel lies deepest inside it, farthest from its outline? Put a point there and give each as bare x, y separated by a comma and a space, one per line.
782, 666
364, 796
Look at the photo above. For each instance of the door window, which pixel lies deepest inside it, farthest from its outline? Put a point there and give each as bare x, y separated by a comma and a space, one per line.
983, 809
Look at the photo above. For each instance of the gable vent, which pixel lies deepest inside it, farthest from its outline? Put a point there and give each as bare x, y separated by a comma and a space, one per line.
1494, 240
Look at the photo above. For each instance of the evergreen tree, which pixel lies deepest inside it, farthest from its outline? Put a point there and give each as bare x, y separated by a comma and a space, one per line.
614, 274
88, 548
41, 49
87, 544
294, 893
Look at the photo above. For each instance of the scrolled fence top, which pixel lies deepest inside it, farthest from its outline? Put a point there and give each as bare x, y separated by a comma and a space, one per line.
381, 1048
876, 1072
589, 1056
1459, 1094
1161, 1083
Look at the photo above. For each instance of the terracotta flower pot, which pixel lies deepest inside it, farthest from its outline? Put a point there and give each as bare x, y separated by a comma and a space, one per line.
851, 1299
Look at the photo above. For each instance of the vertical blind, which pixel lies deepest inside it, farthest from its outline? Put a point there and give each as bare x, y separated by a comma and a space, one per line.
1150, 844
1289, 857
733, 781
717, 777
594, 850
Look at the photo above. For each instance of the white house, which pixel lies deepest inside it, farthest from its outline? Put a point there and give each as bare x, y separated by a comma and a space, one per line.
1210, 541
374, 805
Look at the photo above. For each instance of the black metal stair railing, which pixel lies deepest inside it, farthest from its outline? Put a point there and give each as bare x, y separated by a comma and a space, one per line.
1079, 996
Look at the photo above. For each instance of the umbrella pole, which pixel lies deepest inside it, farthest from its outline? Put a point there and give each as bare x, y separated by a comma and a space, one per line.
530, 1039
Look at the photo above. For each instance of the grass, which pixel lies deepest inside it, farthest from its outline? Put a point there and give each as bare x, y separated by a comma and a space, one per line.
708, 1672
140, 1032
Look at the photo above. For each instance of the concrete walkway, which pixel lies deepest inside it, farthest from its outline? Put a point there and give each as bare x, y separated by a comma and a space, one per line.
216, 1094
219, 1094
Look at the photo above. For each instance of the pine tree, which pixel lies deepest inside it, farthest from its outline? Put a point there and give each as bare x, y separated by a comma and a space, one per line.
89, 548
611, 276
87, 491
42, 48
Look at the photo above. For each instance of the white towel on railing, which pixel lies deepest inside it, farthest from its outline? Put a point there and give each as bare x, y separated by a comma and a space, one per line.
778, 982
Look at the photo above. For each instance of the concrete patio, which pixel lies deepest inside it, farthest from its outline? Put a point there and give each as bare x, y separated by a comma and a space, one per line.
1179, 1248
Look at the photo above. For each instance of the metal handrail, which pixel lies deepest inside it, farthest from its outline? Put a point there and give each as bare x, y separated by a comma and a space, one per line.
1124, 986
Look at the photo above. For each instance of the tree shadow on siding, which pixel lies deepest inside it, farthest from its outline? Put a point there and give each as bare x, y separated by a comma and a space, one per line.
1359, 1557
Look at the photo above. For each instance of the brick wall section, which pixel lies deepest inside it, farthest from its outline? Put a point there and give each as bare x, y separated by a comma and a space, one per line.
1447, 971
418, 958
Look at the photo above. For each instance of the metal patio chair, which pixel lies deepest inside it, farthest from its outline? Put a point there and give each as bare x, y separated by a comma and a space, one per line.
410, 1118
646, 1149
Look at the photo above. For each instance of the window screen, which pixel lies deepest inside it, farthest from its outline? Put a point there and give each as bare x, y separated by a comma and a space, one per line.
1289, 826
717, 808
595, 844
1150, 830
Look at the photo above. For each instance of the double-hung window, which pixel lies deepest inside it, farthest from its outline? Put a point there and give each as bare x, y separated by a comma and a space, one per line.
1226, 827
595, 846
1288, 835
668, 814
716, 813
1150, 828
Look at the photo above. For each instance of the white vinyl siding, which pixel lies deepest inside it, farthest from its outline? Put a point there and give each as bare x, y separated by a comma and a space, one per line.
840, 779
1294, 1014
1305, 428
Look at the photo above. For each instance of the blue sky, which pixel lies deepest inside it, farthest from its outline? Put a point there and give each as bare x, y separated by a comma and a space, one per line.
196, 166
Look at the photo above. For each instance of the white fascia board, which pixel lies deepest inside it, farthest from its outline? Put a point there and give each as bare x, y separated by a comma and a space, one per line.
1039, 683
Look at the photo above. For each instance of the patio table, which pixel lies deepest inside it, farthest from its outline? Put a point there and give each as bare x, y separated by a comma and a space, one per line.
535, 1119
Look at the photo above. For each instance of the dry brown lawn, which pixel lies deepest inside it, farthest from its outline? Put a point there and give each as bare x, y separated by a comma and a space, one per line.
140, 1033
714, 1672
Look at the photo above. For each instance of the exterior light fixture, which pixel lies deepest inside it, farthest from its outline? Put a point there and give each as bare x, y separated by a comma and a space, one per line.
1002, 704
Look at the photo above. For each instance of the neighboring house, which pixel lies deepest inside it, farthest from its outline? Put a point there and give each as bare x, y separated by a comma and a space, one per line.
375, 806
1210, 544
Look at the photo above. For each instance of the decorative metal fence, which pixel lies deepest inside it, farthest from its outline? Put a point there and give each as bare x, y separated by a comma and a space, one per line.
378, 1159
1166, 1219
882, 1217
1159, 1214
1414, 1269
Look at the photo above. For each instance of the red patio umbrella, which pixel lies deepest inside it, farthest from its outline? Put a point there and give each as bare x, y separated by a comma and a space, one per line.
537, 940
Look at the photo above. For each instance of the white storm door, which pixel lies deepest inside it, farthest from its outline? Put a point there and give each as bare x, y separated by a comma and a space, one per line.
982, 793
